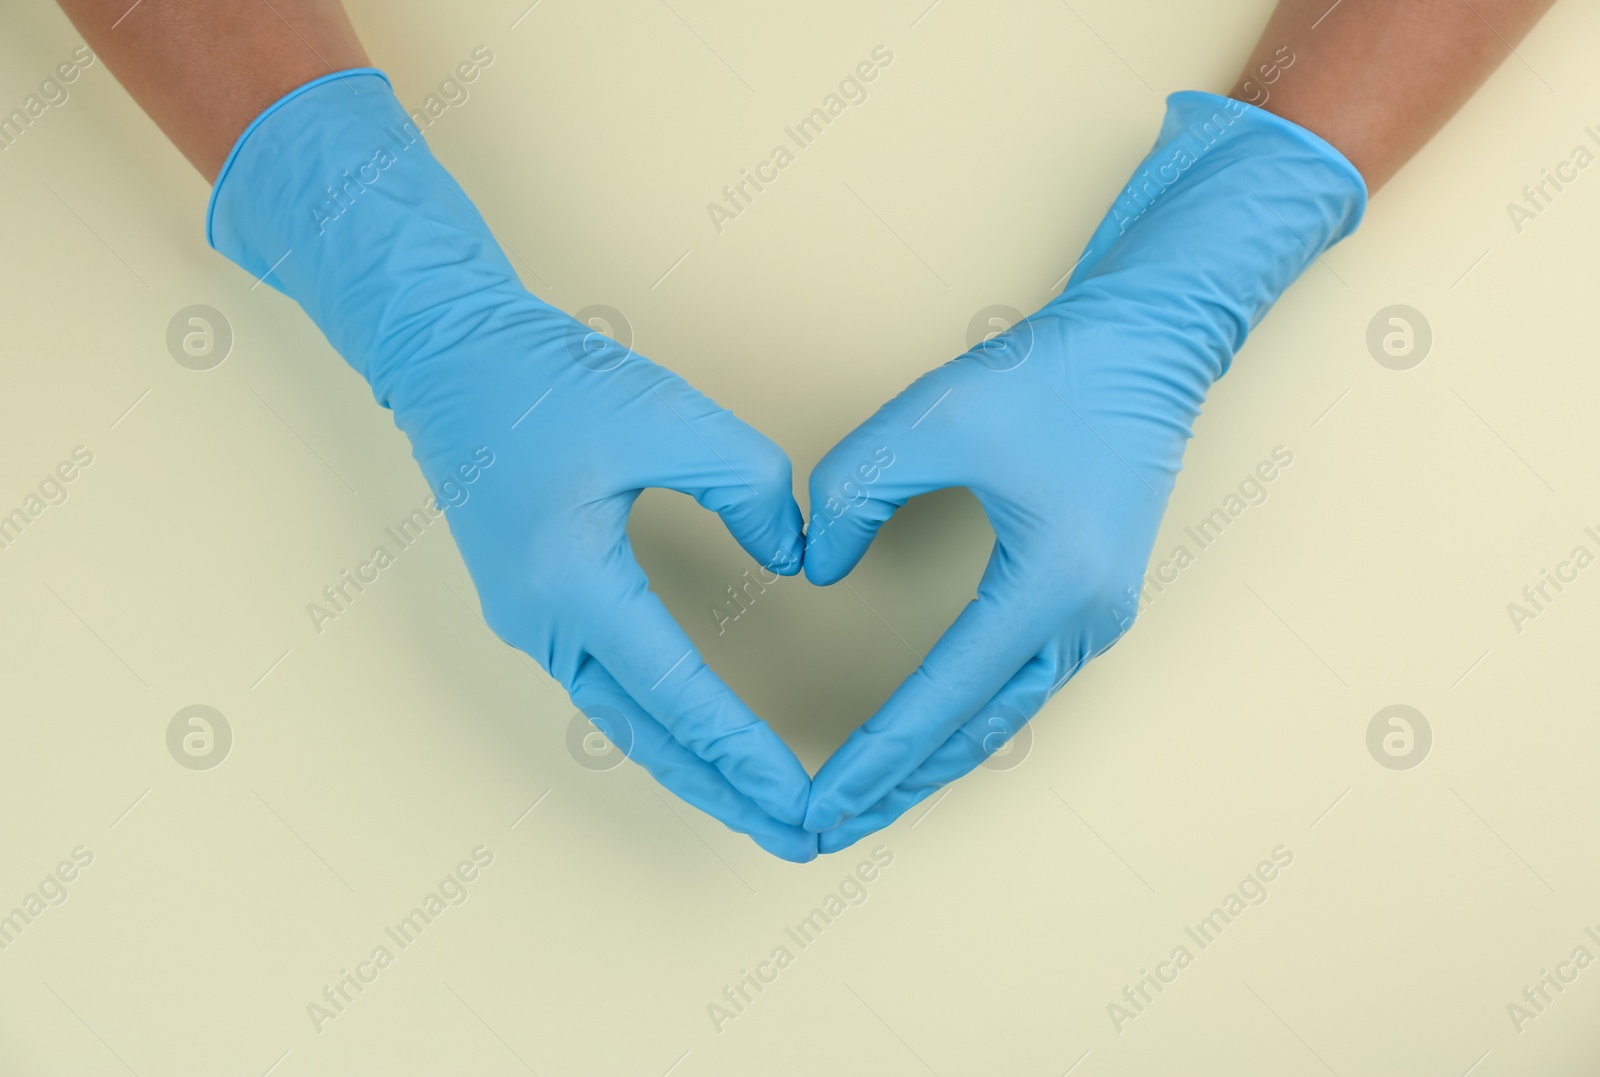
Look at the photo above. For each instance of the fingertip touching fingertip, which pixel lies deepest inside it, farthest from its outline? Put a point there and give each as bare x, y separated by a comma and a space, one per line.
781, 791
822, 817
790, 562
795, 848
820, 577
820, 569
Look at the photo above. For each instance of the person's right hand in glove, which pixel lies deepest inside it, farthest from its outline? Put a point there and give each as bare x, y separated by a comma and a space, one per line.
331, 197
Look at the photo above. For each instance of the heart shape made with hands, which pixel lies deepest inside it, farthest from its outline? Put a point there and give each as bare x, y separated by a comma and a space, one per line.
814, 662
1067, 522
1068, 428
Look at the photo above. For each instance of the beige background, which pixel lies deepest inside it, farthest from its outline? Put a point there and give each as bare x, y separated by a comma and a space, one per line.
369, 759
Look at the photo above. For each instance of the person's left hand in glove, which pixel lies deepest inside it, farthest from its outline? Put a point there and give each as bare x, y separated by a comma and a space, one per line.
1070, 429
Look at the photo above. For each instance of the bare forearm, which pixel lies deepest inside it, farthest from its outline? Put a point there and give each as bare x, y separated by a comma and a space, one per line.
203, 69
1377, 78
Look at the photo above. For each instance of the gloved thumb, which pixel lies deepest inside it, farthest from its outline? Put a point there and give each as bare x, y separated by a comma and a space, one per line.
735, 471
901, 451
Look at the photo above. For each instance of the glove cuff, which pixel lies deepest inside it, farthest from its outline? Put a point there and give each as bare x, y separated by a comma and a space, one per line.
244, 136
332, 197
1229, 131
1231, 205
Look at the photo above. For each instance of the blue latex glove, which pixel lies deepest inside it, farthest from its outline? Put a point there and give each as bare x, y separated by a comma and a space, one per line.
332, 197
1070, 429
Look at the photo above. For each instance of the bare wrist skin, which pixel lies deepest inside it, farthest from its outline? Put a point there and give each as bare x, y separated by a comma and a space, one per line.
204, 69
1377, 78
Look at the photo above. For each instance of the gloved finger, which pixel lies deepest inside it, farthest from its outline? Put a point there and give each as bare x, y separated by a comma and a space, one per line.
903, 450
645, 741
731, 468
981, 651
652, 659
995, 724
